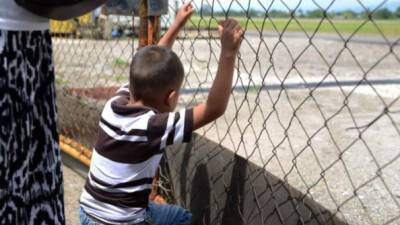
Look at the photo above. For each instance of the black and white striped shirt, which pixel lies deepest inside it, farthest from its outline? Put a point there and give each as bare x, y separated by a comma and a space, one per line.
126, 156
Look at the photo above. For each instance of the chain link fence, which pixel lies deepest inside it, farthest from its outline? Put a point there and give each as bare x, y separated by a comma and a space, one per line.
314, 111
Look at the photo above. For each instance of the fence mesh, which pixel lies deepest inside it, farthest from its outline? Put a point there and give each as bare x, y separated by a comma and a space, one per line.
315, 102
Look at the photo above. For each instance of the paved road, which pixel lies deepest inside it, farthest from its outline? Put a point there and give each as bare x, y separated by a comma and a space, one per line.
332, 37
302, 85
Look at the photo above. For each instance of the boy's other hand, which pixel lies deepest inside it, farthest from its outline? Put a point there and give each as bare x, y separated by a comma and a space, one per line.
231, 35
184, 13
218, 98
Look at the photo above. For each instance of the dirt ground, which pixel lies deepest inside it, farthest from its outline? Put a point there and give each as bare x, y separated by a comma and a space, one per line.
337, 144
73, 184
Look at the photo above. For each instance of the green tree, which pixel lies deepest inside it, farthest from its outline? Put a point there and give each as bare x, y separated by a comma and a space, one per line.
382, 14
317, 13
278, 14
397, 12
348, 14
255, 13
301, 13
205, 10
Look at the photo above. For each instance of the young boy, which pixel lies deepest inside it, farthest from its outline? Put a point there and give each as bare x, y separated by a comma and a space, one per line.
138, 123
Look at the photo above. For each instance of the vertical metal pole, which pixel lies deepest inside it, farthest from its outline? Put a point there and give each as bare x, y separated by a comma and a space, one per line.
149, 33
133, 33
149, 30
143, 23
153, 30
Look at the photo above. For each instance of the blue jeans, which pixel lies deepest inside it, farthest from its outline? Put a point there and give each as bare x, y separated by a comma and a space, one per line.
156, 214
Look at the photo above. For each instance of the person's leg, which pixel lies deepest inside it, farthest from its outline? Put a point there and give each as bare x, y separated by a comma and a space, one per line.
44, 182
31, 187
85, 220
168, 215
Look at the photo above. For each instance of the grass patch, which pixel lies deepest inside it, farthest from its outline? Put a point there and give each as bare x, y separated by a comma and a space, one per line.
61, 81
390, 28
115, 77
120, 78
121, 62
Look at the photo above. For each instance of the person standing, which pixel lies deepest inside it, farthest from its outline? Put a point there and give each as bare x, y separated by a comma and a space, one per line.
31, 184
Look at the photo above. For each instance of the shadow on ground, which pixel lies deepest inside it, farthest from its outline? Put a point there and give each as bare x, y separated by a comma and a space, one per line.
220, 187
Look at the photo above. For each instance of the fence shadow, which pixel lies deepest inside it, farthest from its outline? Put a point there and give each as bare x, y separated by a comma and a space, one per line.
220, 187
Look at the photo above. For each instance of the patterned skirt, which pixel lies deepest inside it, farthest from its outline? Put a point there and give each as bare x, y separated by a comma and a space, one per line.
31, 186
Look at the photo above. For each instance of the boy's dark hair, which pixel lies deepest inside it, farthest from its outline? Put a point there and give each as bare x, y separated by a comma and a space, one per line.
154, 70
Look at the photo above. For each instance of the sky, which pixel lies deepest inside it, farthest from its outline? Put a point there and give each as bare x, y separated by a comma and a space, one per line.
338, 5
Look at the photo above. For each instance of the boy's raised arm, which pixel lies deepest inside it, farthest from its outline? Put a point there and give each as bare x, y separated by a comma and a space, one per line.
184, 13
218, 98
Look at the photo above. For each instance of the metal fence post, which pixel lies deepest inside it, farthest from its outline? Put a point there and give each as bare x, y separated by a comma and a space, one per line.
149, 30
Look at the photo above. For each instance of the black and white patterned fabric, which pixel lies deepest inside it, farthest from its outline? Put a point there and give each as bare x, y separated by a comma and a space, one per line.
31, 190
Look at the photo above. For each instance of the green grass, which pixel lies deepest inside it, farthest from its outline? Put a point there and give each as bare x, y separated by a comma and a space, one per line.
120, 78
121, 62
390, 28
60, 81
115, 77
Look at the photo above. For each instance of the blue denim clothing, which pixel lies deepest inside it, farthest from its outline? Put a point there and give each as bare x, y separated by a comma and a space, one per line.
156, 214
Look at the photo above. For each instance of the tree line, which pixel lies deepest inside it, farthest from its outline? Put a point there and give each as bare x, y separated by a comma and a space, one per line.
383, 13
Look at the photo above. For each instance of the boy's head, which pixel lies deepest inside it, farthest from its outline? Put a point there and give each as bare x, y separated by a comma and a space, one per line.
156, 76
